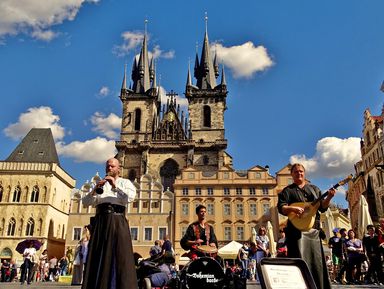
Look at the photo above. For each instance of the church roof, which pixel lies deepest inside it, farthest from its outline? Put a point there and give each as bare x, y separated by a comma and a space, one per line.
37, 146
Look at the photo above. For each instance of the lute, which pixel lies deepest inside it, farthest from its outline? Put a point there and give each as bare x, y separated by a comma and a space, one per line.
306, 221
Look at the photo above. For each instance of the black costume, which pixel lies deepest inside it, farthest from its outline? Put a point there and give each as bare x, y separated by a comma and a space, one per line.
110, 262
305, 245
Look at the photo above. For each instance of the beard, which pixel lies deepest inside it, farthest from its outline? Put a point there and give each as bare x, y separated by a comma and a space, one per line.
112, 174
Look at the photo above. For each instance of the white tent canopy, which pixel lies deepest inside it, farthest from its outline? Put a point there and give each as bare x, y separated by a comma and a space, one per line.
230, 250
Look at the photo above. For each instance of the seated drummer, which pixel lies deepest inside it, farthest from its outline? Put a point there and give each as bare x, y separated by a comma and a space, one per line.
198, 233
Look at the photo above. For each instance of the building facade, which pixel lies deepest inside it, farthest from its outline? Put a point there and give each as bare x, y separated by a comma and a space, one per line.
369, 175
236, 201
150, 216
34, 196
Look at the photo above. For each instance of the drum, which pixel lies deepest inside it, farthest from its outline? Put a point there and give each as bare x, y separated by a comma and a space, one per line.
202, 273
206, 249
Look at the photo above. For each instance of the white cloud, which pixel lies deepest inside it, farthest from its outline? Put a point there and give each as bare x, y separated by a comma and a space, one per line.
35, 117
334, 157
132, 41
158, 53
104, 91
108, 126
35, 17
95, 150
243, 60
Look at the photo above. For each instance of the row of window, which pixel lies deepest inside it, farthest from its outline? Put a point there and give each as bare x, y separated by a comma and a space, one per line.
225, 191
227, 211
372, 158
227, 175
147, 233
16, 196
162, 231
12, 225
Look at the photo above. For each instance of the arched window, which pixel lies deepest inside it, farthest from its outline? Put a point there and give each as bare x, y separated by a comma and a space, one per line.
1, 193
35, 194
168, 173
206, 116
16, 195
30, 227
6, 253
137, 119
11, 227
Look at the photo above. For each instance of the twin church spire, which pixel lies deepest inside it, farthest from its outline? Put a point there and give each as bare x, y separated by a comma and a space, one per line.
206, 71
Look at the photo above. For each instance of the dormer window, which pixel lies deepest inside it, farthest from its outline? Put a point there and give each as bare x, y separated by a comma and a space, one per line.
41, 153
21, 152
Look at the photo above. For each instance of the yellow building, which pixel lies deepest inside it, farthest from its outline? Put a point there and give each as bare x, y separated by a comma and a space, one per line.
236, 201
150, 215
34, 196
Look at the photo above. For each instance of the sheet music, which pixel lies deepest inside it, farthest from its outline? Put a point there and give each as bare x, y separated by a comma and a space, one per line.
284, 277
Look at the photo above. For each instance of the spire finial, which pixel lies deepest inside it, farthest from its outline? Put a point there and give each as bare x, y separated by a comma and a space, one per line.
145, 26
206, 21
197, 47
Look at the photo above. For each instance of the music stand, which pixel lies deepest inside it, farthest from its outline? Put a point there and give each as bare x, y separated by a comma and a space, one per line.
284, 273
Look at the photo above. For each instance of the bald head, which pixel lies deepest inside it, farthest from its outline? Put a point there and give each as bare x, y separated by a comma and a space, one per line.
112, 167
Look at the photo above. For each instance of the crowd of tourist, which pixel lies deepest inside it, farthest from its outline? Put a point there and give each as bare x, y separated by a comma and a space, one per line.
352, 260
47, 268
357, 261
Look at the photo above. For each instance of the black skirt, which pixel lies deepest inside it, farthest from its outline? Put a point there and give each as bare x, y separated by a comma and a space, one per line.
110, 262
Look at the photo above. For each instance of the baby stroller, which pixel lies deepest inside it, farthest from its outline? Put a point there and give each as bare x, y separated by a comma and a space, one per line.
157, 273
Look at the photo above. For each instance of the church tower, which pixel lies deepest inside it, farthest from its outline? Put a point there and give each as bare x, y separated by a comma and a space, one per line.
159, 139
207, 104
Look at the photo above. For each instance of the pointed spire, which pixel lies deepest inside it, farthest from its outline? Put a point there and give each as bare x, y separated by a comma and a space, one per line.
206, 75
153, 73
216, 65
124, 85
141, 72
152, 69
189, 80
197, 65
223, 80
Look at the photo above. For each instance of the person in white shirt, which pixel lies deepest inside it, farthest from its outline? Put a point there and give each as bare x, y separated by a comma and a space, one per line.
110, 261
29, 254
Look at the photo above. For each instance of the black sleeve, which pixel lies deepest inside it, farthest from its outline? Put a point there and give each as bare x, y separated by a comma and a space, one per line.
282, 200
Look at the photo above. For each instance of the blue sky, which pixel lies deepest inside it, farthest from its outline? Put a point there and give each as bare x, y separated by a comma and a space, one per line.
300, 75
